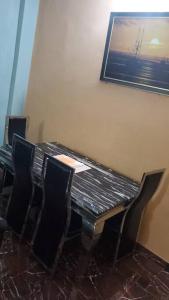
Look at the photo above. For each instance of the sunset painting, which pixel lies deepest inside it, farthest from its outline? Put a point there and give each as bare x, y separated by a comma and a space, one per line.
137, 51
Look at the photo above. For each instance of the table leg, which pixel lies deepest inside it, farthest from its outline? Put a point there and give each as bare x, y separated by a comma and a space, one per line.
91, 233
90, 236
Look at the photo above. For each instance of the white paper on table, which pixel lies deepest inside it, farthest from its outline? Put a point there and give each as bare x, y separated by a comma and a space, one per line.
75, 164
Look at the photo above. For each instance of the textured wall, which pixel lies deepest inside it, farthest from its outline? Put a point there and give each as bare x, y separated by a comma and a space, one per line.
17, 28
9, 11
121, 127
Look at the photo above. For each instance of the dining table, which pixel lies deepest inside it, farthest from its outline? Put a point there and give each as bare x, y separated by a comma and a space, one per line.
98, 193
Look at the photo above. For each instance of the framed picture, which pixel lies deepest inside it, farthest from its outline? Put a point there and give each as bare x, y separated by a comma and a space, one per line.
137, 51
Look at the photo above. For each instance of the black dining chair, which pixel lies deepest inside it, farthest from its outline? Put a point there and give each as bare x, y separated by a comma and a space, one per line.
13, 125
54, 220
124, 227
22, 192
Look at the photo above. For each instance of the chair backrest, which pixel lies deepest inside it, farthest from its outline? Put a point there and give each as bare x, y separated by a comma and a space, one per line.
15, 124
55, 215
149, 184
23, 155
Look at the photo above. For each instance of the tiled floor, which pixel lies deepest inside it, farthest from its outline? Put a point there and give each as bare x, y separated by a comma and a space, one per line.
141, 276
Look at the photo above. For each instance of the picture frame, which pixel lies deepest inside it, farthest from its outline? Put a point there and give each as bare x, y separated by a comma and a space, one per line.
137, 51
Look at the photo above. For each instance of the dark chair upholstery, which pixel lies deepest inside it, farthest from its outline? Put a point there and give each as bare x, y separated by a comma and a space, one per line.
54, 219
125, 226
15, 124
6, 177
6, 172
22, 192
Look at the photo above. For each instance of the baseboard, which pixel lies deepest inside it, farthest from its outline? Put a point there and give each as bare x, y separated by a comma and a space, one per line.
165, 263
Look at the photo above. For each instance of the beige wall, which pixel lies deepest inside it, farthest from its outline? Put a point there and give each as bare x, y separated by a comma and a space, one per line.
124, 128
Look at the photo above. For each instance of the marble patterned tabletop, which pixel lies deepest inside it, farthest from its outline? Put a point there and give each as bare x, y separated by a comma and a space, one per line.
96, 190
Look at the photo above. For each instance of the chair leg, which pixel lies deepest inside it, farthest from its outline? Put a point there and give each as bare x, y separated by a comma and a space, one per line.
130, 231
1, 237
32, 214
116, 255
3, 228
2, 178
